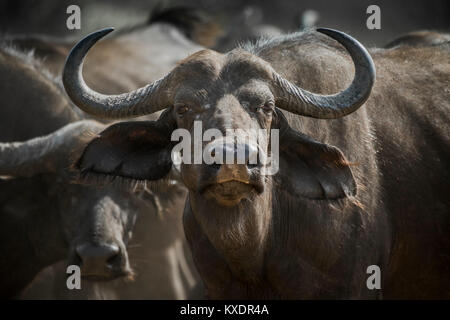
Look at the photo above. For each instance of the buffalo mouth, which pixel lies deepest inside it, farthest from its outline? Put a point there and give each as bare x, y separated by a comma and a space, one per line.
231, 192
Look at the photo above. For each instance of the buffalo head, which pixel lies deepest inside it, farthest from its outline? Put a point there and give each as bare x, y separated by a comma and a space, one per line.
237, 90
96, 223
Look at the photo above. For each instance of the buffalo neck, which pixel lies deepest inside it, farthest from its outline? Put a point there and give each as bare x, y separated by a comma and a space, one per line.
239, 233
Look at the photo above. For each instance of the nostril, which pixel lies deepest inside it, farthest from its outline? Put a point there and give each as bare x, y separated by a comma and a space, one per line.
111, 252
113, 255
113, 260
97, 254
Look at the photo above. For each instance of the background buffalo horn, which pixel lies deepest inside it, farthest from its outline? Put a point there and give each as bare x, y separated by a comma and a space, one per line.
305, 103
139, 102
44, 154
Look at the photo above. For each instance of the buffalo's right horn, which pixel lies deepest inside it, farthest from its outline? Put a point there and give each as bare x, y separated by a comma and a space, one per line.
292, 98
145, 100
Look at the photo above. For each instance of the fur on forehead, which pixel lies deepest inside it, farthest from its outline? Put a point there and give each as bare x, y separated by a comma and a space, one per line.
242, 65
237, 65
205, 63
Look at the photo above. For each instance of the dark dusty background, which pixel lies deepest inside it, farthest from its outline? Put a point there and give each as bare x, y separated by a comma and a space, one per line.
397, 17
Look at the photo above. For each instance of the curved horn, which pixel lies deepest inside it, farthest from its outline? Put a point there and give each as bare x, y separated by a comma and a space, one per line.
139, 102
305, 103
44, 154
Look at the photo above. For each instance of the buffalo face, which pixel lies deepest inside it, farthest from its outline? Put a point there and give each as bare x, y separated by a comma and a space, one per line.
231, 115
98, 224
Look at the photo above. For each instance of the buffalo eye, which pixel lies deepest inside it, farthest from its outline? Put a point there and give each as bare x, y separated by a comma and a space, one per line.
181, 109
268, 107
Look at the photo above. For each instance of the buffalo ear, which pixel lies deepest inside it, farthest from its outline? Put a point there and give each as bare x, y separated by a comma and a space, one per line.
312, 169
139, 150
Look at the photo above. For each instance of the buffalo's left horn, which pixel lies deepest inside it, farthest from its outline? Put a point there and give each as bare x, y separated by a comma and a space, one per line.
44, 154
142, 101
302, 102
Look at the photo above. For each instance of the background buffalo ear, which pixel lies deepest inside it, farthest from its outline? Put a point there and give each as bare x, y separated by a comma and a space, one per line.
139, 150
312, 169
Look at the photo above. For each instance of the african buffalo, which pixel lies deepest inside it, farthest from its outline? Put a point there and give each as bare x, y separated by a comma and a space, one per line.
45, 218
363, 173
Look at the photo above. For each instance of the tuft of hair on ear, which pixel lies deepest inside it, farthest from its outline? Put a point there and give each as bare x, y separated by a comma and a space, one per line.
102, 179
347, 163
356, 202
161, 193
343, 203
168, 184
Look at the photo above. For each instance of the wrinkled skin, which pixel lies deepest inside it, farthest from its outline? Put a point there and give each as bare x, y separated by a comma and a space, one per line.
349, 193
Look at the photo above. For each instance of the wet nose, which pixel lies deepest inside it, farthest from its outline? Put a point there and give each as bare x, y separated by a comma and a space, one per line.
96, 258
